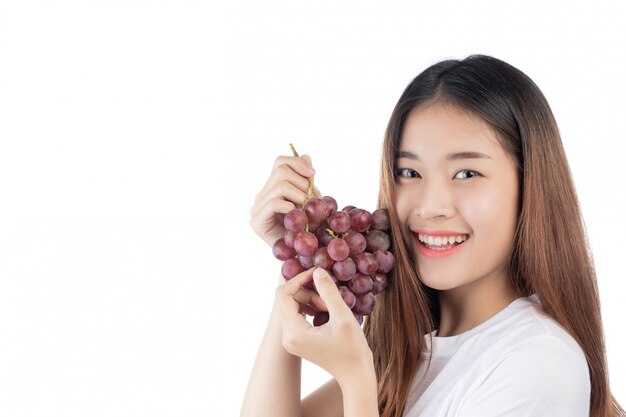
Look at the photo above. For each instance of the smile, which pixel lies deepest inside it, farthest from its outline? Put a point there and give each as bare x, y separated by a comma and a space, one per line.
435, 247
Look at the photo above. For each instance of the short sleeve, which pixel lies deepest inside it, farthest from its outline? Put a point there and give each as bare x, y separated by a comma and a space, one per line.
541, 376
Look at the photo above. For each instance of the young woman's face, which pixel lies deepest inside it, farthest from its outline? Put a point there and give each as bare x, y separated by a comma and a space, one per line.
454, 180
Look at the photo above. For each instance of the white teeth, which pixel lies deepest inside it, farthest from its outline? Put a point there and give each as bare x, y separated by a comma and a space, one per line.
441, 240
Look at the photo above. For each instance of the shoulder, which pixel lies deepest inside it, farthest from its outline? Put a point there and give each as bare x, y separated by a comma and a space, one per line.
537, 366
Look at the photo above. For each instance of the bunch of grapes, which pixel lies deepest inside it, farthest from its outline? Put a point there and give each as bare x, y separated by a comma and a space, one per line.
352, 244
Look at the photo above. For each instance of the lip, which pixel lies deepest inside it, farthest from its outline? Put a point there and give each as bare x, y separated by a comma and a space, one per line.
433, 253
439, 232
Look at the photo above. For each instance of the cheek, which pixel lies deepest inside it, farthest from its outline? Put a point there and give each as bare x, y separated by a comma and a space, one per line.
493, 212
403, 208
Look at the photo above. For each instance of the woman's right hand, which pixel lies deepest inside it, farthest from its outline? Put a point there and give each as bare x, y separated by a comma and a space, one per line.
286, 187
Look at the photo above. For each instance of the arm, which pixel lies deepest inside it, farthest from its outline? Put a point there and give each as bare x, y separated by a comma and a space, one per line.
339, 346
274, 385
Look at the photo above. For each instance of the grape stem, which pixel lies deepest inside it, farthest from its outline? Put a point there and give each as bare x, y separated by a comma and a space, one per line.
311, 193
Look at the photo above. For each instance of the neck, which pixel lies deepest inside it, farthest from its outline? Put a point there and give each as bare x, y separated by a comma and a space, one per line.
465, 307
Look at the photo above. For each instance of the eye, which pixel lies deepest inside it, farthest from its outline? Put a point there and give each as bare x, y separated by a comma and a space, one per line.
468, 171
406, 173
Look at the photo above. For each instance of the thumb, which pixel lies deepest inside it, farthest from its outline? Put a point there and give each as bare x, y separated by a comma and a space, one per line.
329, 293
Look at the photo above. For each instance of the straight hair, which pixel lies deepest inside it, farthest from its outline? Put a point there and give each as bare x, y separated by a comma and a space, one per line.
551, 255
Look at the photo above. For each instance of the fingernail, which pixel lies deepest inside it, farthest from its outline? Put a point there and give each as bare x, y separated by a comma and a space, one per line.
319, 273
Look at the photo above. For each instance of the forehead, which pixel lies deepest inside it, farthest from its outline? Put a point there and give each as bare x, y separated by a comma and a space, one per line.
439, 129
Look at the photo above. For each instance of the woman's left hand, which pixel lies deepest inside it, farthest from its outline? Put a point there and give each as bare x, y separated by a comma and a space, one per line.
339, 346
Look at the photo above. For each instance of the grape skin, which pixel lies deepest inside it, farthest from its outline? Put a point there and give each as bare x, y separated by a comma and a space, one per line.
356, 241
380, 219
290, 237
385, 261
306, 261
338, 249
366, 263
364, 303
305, 244
380, 282
361, 220
323, 236
316, 210
320, 318
332, 204
377, 240
348, 296
291, 268
344, 270
361, 284
339, 222
295, 220
322, 259
282, 251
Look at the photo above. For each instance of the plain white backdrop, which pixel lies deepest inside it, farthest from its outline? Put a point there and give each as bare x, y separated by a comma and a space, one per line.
134, 136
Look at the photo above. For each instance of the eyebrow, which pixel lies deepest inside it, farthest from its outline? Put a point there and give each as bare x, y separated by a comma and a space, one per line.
449, 157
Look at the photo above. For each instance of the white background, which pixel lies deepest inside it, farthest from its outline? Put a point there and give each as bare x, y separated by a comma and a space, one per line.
134, 136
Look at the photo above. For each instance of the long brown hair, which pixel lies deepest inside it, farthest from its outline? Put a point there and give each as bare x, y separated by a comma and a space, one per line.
551, 255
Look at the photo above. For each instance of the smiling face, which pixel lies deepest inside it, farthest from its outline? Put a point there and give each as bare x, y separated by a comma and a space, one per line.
454, 179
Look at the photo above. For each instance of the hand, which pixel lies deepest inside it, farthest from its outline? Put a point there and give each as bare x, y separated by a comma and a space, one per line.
287, 186
339, 346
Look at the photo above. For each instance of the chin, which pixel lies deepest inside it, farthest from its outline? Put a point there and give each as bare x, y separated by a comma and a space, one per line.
438, 283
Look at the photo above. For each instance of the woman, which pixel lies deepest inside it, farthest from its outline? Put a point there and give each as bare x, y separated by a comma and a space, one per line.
493, 305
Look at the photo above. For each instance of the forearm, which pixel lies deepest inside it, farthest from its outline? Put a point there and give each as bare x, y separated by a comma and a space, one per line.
274, 385
360, 393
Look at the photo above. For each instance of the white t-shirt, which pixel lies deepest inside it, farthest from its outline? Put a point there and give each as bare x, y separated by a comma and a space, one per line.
520, 362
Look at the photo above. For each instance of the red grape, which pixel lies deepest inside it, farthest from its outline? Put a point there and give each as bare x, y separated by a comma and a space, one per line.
380, 219
290, 237
344, 270
366, 263
380, 282
320, 318
295, 220
338, 249
291, 268
305, 244
323, 236
348, 296
316, 210
364, 303
385, 261
361, 220
306, 261
332, 204
377, 240
361, 284
321, 259
339, 222
282, 251
356, 241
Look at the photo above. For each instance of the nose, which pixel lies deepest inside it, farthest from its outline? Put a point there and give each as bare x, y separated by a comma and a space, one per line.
434, 201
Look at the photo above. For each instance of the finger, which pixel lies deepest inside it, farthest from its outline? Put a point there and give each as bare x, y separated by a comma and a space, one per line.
284, 172
329, 293
260, 214
294, 285
301, 164
311, 298
308, 310
292, 320
283, 190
